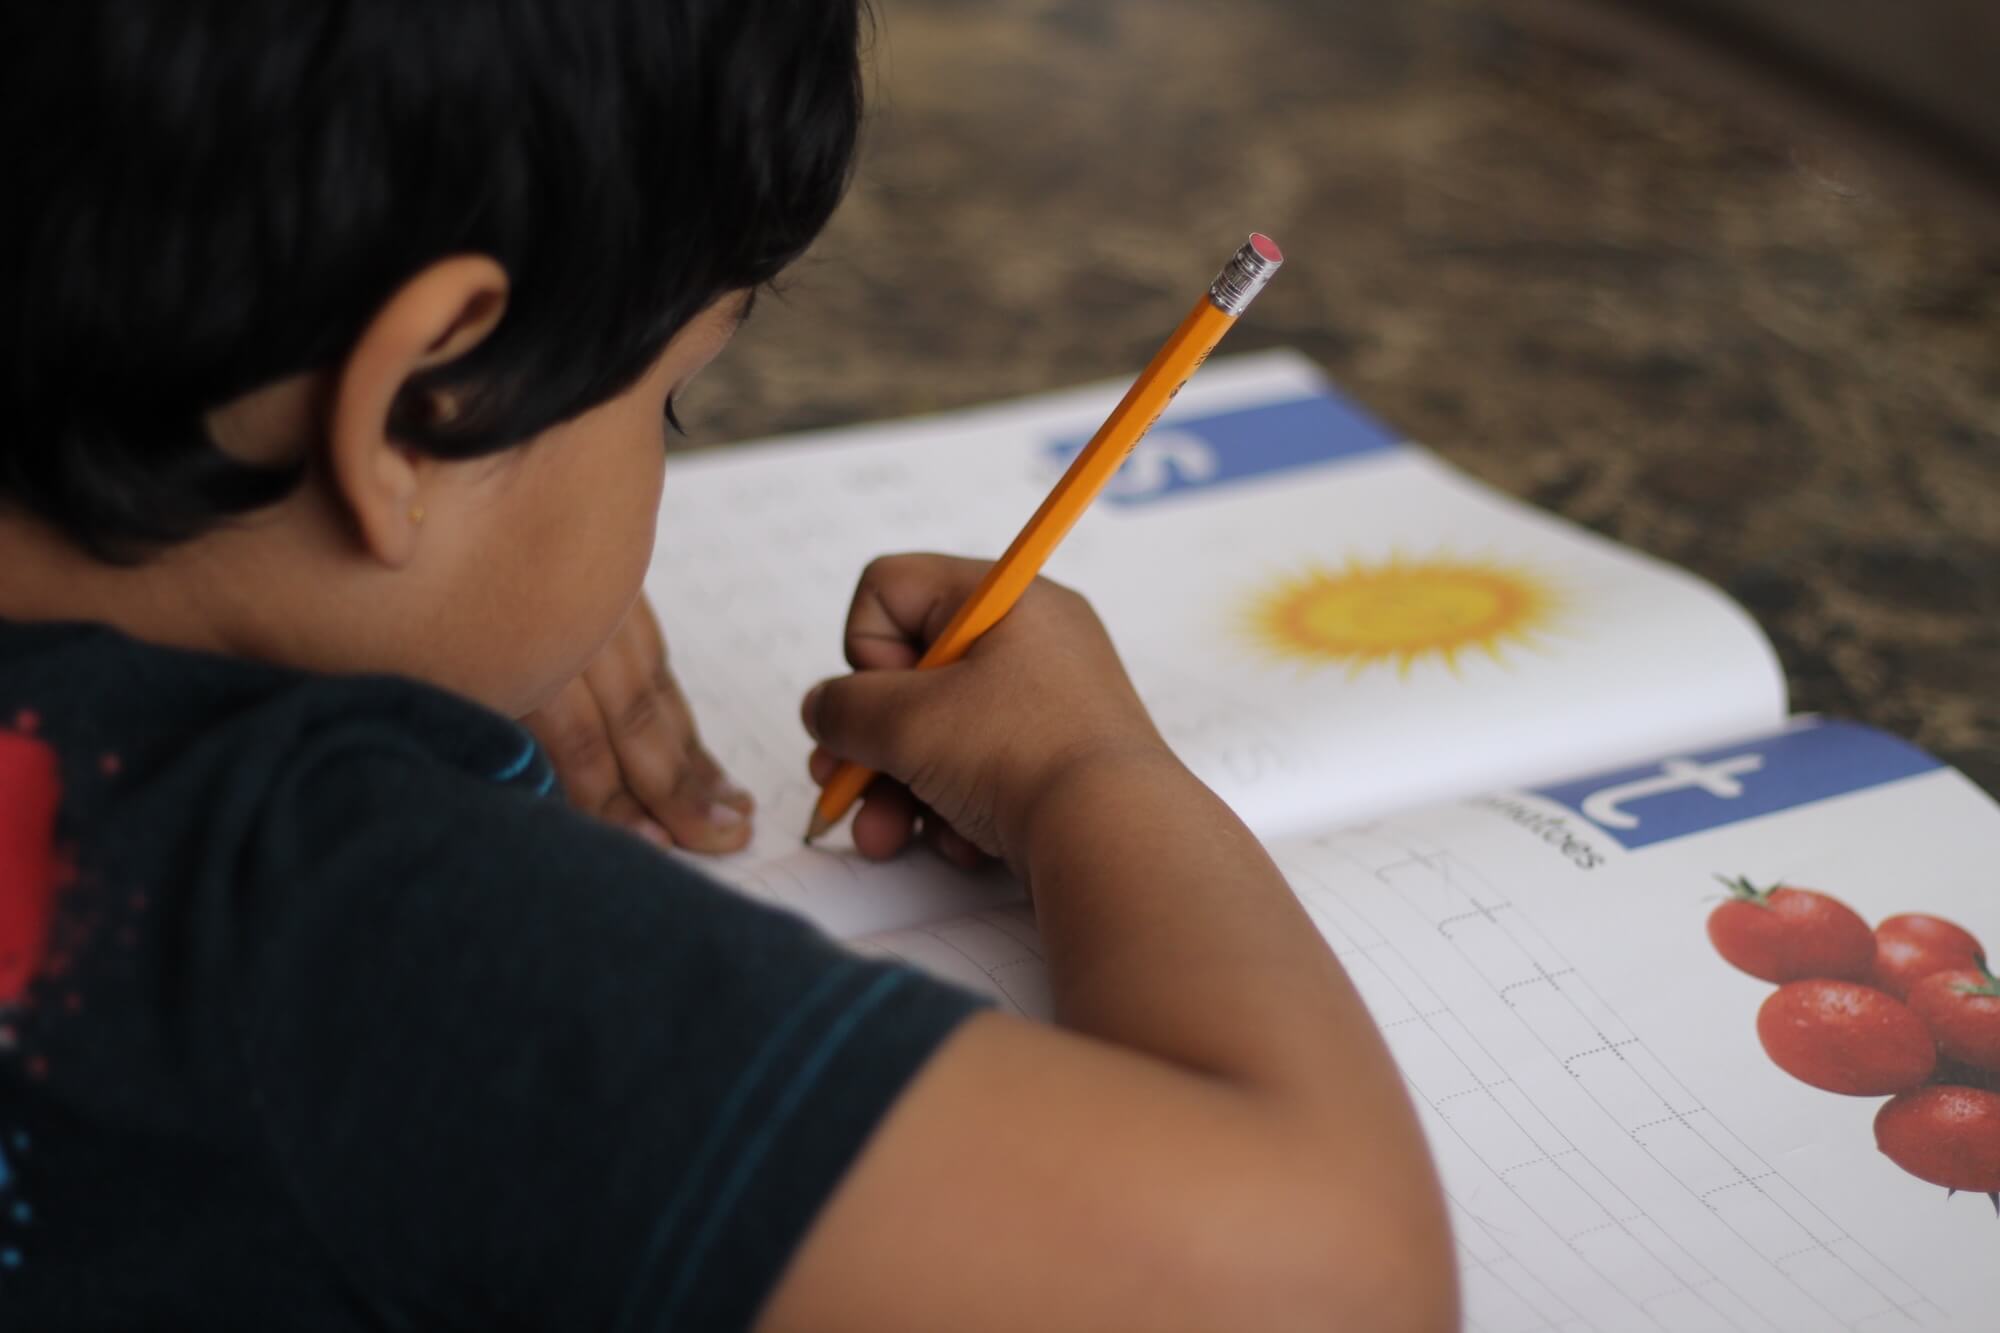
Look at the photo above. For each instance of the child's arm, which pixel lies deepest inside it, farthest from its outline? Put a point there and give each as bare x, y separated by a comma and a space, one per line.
1218, 1139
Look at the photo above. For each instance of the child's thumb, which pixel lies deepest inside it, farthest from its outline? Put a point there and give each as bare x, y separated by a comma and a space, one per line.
871, 718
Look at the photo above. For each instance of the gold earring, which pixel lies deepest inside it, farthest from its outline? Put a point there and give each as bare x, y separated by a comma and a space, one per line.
416, 513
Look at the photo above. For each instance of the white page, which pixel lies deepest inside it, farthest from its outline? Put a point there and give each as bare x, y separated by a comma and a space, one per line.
1619, 1152
760, 546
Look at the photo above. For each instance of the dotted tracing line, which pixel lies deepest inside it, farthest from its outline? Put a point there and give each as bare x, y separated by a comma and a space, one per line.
1545, 977
1672, 1114
1442, 1102
1739, 1183
1622, 1223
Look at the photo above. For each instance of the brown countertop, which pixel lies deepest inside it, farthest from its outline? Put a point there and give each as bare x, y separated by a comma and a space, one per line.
1588, 284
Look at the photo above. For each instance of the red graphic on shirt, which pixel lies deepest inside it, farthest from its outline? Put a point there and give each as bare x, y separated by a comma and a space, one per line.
30, 869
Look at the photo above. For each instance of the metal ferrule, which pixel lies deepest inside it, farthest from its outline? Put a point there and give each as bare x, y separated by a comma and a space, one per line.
1241, 279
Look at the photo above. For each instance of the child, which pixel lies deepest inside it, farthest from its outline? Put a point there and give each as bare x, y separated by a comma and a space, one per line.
339, 337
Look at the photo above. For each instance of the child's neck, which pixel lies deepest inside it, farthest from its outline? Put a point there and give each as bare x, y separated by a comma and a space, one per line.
207, 594
280, 586
44, 576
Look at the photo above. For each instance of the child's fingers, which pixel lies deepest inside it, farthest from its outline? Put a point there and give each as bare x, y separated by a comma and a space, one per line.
623, 742
822, 765
886, 821
902, 603
661, 760
887, 831
623, 811
879, 719
571, 729
706, 812
952, 845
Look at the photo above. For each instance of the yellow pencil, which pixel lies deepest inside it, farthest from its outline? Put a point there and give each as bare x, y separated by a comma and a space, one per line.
1213, 315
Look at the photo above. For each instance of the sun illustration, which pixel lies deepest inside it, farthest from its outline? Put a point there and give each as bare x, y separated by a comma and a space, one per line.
1360, 614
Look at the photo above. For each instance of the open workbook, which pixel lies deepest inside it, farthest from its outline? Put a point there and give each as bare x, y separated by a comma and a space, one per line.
1505, 764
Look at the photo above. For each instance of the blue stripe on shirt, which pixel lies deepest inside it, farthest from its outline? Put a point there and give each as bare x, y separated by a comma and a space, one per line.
726, 1117
802, 1082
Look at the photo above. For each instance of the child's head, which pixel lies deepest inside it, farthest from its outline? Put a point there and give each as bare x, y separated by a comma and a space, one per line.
289, 286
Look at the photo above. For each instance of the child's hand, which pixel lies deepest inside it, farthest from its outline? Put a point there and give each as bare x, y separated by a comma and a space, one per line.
624, 744
969, 749
1217, 1065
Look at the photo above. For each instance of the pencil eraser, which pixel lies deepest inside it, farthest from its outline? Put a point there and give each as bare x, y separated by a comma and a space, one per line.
1266, 248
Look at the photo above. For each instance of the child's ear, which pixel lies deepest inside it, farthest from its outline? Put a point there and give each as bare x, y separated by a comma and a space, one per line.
437, 316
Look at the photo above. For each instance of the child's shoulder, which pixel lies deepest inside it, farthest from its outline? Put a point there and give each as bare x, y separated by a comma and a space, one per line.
117, 714
231, 789
319, 948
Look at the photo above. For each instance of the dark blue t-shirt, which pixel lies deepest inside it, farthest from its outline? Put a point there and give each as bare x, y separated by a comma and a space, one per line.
319, 1010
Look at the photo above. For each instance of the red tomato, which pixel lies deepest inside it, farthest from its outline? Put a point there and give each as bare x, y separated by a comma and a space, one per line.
1845, 1038
1962, 1009
1784, 934
1947, 1135
1910, 947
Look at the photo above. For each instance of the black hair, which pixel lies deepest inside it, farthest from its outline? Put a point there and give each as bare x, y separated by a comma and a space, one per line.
204, 197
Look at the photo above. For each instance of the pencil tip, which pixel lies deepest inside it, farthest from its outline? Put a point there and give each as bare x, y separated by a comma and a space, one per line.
820, 824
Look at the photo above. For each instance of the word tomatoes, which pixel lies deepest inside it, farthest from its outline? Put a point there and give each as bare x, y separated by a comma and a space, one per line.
1910, 947
1962, 1010
1785, 934
1947, 1135
1846, 1038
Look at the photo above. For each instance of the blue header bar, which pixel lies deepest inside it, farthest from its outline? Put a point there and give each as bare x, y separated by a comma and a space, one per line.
1708, 789
1194, 453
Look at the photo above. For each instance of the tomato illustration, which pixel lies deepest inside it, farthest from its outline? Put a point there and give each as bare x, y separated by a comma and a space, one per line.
1786, 934
1962, 1010
1845, 1038
1910, 947
1945, 1134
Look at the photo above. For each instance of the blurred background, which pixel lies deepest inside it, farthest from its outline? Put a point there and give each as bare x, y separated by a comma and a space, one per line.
1717, 278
